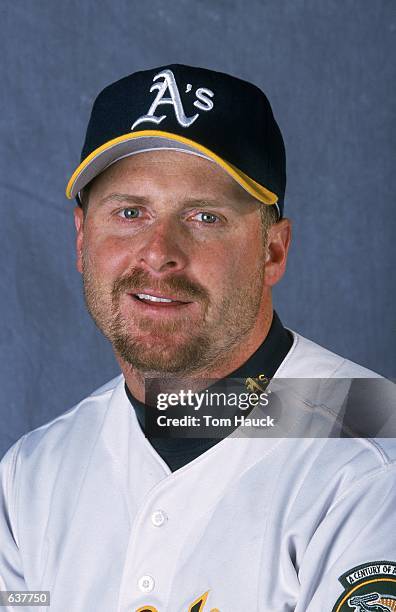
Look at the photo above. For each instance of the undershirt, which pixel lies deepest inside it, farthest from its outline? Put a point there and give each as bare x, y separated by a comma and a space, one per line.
177, 452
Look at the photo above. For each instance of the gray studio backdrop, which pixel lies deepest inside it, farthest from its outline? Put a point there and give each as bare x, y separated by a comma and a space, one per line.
328, 69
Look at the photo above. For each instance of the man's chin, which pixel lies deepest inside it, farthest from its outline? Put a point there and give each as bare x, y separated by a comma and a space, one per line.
161, 353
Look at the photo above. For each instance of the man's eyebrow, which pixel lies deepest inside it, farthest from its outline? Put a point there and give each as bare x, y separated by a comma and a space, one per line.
202, 202
224, 204
135, 199
124, 197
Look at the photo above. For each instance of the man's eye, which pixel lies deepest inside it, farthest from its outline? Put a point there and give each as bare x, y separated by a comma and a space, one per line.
207, 217
129, 213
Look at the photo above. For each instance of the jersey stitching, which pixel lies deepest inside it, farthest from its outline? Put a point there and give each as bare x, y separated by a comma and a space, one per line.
363, 481
371, 443
339, 366
368, 442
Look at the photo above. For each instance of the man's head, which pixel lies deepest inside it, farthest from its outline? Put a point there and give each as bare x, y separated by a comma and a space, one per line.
173, 226
178, 246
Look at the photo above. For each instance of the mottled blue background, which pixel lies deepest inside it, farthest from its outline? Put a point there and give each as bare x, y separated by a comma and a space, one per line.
328, 69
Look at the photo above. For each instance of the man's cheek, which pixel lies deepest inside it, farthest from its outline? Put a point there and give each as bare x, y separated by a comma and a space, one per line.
110, 257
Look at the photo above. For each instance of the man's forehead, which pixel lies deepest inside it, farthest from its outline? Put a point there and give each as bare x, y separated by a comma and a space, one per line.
185, 175
171, 161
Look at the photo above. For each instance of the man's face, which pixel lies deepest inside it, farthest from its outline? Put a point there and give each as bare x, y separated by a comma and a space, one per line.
172, 256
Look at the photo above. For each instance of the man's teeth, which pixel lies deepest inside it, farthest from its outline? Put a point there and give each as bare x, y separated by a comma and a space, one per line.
152, 298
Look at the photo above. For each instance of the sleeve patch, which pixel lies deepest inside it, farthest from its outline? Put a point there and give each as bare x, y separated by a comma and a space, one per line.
370, 587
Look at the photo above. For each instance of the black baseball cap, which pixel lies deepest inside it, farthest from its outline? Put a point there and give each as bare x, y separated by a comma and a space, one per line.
217, 116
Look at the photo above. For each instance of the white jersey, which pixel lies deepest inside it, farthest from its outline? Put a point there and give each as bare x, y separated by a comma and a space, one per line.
90, 512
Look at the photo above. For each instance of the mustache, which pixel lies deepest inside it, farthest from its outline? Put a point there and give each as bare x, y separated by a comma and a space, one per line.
137, 280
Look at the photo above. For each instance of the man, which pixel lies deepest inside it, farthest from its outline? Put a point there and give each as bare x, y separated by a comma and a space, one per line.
180, 237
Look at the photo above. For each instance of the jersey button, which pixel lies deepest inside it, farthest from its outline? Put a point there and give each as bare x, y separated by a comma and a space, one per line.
158, 518
146, 583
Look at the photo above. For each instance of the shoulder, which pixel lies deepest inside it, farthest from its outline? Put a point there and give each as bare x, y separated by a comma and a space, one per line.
78, 423
47, 466
306, 359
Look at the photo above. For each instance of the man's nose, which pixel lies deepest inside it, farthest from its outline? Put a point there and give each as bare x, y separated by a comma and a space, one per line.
163, 248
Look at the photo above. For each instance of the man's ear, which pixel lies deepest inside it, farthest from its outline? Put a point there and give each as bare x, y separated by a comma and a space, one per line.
79, 223
278, 242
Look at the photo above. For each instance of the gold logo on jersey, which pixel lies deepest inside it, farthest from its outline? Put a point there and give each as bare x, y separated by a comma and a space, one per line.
257, 383
370, 587
198, 605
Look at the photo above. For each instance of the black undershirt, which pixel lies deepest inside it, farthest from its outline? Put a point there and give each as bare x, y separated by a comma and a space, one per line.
177, 452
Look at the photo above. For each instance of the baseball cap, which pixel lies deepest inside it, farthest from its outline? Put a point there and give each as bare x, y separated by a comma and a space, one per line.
217, 116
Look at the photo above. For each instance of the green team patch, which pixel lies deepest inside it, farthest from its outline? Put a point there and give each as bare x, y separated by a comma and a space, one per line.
370, 587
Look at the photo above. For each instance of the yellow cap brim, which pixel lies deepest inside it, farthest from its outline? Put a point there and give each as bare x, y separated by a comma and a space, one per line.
149, 140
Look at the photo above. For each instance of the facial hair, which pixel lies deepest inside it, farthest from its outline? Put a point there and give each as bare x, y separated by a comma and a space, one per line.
177, 346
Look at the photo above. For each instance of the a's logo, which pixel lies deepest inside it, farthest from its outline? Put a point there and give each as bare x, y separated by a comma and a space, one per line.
197, 605
257, 383
203, 100
368, 588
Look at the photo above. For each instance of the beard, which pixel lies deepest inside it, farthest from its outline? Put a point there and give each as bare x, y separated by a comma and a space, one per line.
172, 346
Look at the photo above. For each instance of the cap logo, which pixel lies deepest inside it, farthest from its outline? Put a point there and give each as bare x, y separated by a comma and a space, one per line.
202, 102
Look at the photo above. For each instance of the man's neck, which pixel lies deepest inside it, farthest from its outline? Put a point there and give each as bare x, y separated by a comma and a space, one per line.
135, 379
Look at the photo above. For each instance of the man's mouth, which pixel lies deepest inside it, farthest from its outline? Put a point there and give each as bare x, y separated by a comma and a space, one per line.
159, 300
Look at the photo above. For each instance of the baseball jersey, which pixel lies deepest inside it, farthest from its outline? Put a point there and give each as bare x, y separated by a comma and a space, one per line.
177, 452
90, 512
